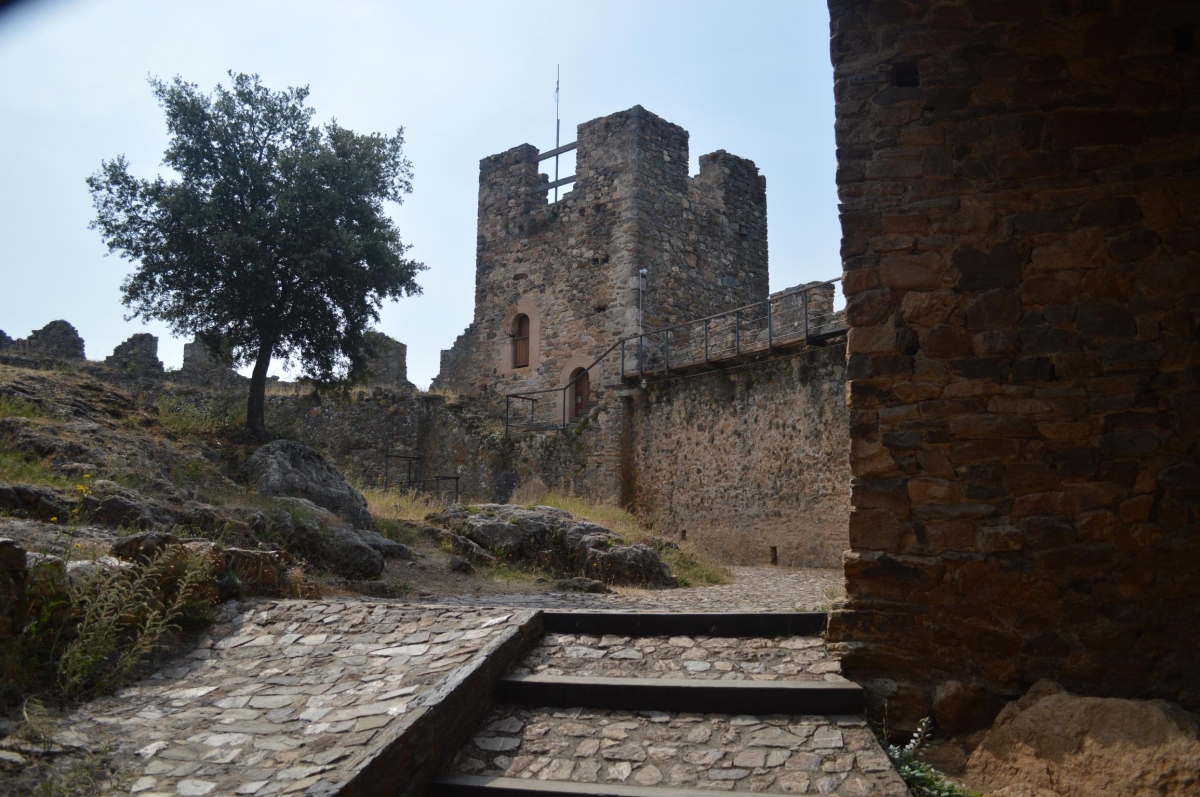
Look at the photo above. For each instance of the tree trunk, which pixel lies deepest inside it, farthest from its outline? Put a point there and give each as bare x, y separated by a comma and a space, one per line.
256, 423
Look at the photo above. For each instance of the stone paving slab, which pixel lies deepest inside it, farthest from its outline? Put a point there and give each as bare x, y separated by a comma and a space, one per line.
719, 752
286, 697
754, 589
793, 658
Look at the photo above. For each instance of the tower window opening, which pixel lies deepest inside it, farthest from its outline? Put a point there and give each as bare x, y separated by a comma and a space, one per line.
520, 341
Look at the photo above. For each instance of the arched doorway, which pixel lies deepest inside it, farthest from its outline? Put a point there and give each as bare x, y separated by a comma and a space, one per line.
581, 392
520, 341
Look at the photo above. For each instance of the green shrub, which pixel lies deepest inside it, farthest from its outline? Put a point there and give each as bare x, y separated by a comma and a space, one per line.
17, 468
922, 780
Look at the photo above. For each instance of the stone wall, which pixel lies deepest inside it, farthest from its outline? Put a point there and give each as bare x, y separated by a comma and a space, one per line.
1021, 222
388, 364
354, 430
573, 266
749, 458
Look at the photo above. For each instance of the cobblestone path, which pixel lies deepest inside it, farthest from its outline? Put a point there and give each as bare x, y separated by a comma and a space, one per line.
754, 589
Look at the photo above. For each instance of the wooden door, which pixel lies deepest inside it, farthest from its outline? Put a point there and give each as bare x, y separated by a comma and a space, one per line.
583, 390
521, 342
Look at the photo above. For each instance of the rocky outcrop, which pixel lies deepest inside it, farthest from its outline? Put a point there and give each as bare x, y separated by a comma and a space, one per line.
551, 538
1051, 743
288, 468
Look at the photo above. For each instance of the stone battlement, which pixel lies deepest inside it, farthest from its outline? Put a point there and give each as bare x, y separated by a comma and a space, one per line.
573, 268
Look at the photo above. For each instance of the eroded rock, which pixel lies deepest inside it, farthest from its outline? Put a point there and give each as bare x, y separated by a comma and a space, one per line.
288, 468
551, 538
1051, 742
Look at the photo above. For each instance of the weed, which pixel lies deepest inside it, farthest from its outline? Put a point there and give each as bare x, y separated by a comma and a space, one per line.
16, 408
125, 616
405, 505
832, 593
922, 780
219, 413
502, 570
18, 468
398, 531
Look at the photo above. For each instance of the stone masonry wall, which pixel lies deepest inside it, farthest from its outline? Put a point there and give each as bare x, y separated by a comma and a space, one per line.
750, 458
573, 266
354, 431
1021, 223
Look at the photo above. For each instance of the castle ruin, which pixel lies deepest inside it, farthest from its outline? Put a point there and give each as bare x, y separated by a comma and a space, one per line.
636, 244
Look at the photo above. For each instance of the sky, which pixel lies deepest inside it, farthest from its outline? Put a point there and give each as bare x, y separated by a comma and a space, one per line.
464, 78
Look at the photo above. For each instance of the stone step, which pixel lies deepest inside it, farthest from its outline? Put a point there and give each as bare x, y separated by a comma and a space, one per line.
713, 624
676, 694
554, 751
484, 786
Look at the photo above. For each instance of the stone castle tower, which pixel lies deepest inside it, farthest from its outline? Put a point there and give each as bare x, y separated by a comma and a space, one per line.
556, 283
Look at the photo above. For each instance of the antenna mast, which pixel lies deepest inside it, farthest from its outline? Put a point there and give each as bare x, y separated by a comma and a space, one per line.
557, 76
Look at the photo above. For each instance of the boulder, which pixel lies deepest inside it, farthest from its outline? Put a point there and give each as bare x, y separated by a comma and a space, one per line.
324, 539
963, 707
629, 564
579, 584
146, 545
84, 570
12, 584
461, 565
389, 548
1051, 742
288, 468
553, 539
26, 500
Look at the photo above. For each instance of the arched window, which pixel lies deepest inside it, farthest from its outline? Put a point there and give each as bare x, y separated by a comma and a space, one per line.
520, 341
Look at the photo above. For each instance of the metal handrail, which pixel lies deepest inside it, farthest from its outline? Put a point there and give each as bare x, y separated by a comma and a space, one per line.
666, 332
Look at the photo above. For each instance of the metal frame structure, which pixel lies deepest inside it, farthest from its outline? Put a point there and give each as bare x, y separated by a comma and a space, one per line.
754, 329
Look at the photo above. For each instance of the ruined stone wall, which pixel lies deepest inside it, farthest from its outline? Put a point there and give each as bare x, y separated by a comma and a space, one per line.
749, 458
1021, 223
573, 266
57, 340
454, 438
136, 357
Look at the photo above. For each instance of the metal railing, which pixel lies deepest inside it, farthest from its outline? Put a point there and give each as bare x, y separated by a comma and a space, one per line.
803, 315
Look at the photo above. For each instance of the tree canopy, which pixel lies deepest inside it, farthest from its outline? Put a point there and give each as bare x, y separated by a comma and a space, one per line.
271, 241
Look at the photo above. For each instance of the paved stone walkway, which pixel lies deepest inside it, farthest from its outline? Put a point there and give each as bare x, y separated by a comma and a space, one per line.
776, 754
283, 697
292, 697
754, 589
714, 658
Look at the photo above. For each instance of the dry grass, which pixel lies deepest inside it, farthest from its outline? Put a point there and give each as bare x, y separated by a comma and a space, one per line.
407, 505
692, 567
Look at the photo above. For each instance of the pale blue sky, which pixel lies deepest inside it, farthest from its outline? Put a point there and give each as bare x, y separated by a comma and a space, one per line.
466, 79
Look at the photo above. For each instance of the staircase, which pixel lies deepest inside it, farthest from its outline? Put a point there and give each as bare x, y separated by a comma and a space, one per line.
663, 705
